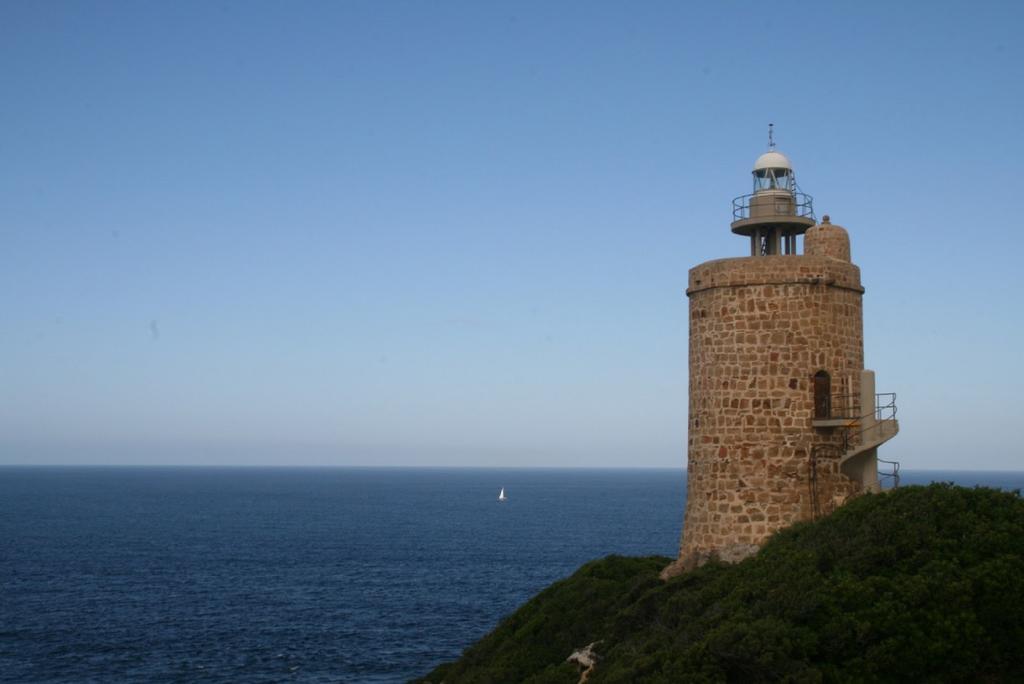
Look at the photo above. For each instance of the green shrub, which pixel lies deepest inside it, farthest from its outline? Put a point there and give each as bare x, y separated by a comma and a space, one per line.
917, 584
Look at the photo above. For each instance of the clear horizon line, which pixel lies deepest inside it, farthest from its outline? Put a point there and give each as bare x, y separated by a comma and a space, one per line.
241, 466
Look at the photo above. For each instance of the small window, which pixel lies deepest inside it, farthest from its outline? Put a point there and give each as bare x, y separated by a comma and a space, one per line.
822, 395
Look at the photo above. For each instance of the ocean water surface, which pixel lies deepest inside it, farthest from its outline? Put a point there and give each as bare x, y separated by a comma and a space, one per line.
311, 575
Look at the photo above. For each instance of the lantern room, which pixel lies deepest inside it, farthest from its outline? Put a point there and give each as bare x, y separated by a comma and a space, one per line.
776, 212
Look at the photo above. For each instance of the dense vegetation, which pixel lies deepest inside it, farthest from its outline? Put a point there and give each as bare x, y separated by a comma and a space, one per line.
918, 584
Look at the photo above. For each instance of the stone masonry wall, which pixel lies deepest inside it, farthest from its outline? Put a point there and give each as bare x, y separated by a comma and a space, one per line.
760, 328
827, 239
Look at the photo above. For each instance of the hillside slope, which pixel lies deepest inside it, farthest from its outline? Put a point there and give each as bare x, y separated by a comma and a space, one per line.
918, 584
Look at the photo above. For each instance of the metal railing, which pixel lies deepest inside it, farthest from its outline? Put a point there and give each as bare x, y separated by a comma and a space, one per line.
823, 452
887, 410
893, 476
844, 406
802, 205
884, 411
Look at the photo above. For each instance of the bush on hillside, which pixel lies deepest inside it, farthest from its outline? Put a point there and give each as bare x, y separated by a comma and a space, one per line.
921, 583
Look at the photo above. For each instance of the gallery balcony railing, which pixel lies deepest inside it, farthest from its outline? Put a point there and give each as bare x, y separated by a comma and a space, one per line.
789, 204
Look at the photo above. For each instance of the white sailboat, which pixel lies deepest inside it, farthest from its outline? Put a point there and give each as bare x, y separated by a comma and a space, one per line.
501, 495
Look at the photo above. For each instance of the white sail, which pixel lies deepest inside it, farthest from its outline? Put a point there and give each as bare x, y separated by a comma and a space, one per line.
501, 495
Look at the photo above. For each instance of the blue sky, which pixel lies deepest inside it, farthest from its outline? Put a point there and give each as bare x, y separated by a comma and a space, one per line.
458, 233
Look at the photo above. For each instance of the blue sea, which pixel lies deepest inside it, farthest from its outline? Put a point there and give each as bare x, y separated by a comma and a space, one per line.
304, 575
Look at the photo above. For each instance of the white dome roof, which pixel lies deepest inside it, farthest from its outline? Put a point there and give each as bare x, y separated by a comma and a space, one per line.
772, 160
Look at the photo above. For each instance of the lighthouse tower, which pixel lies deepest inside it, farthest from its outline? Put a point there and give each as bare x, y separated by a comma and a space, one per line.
784, 421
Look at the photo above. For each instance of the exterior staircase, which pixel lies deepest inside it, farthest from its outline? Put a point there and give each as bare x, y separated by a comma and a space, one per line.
862, 435
861, 438
872, 430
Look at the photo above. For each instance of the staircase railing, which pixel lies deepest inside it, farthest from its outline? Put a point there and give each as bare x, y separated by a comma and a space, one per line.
893, 476
884, 411
826, 452
844, 406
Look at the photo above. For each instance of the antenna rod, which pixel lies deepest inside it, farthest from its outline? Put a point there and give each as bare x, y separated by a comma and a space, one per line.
771, 139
